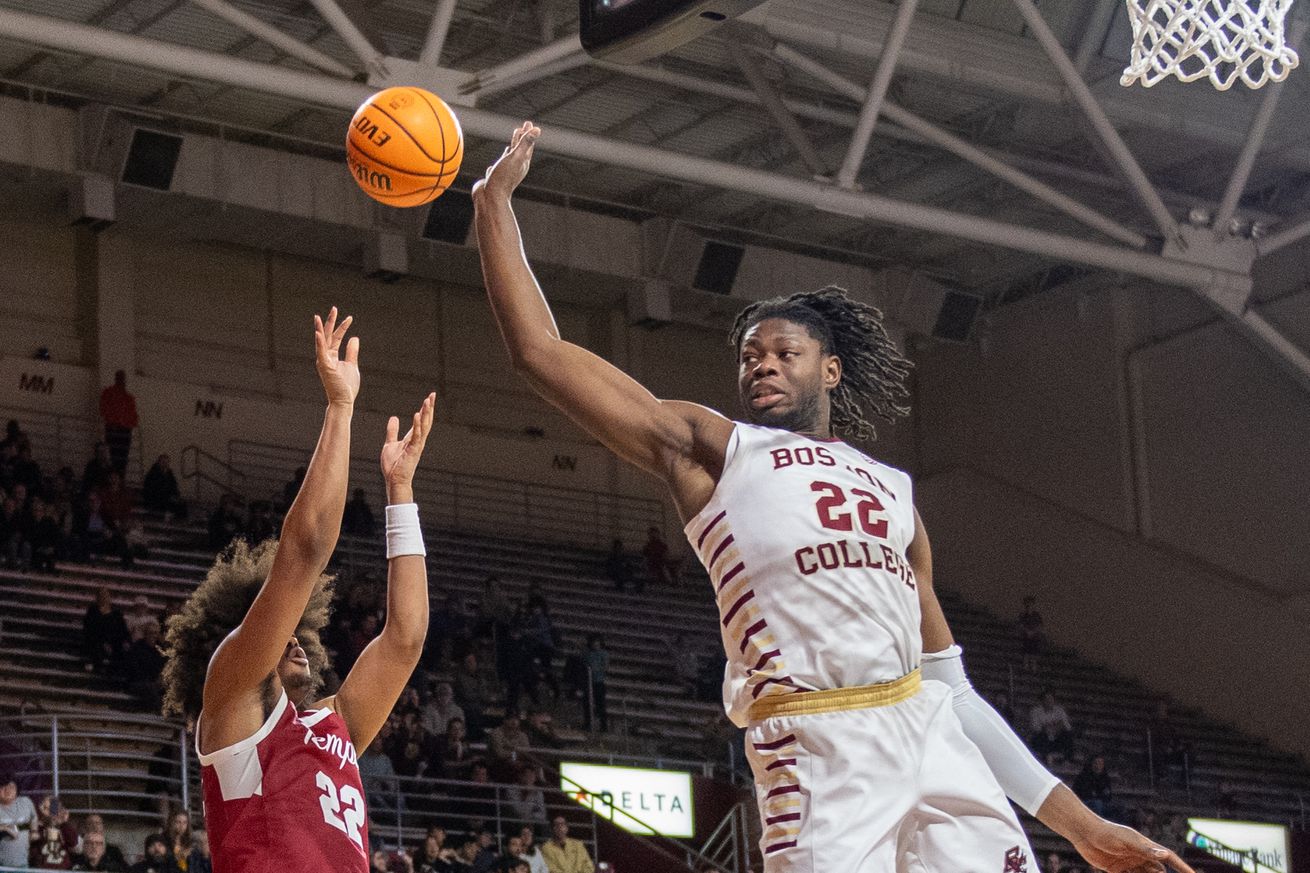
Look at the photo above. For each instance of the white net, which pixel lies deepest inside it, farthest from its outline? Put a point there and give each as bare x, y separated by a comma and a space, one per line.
1225, 40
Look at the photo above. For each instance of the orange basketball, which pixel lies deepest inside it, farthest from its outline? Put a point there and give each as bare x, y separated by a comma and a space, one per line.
404, 146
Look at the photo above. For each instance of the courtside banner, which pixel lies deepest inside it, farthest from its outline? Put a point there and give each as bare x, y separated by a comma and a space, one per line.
637, 800
1255, 847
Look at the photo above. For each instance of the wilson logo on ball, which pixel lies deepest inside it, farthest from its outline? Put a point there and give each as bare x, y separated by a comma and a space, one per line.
404, 146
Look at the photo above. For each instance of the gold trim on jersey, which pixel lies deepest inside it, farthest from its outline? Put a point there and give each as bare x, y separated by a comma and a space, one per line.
837, 699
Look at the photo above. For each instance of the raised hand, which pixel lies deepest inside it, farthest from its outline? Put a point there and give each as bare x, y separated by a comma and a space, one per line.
340, 376
1117, 849
400, 454
505, 175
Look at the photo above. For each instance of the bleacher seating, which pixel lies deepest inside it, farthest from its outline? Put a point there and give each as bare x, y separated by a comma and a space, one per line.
649, 713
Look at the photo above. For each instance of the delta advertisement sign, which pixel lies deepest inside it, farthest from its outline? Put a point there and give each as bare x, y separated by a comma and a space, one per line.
639, 801
1256, 848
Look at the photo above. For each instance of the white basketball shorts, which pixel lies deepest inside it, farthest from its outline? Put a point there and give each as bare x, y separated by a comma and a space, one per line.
881, 789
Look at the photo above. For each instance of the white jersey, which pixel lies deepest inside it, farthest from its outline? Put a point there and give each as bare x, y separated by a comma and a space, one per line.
805, 542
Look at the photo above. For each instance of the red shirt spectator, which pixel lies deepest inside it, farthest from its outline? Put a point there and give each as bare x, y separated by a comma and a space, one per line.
118, 409
117, 405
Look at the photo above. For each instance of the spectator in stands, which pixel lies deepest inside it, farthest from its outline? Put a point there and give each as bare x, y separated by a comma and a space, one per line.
157, 858
224, 522
594, 704
474, 693
494, 607
357, 519
564, 854
512, 860
95, 856
662, 569
62, 490
25, 471
260, 524
95, 475
118, 411
96, 534
456, 757
16, 549
1169, 751
440, 710
466, 854
525, 799
411, 751
517, 669
1032, 637
378, 776
160, 492
105, 637
180, 842
618, 567
115, 501
507, 742
539, 635
1055, 863
362, 634
200, 860
686, 663
135, 542
433, 856
541, 730
1001, 703
139, 617
143, 665
14, 436
487, 857
530, 852
47, 537
94, 824
18, 821
1052, 730
57, 840
1093, 787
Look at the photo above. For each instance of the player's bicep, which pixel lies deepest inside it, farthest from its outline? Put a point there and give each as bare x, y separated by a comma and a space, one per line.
614, 408
370, 690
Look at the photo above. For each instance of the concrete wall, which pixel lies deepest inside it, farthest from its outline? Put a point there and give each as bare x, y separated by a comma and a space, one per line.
1123, 453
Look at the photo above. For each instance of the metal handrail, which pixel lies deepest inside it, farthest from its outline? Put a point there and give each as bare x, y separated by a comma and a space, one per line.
192, 455
463, 501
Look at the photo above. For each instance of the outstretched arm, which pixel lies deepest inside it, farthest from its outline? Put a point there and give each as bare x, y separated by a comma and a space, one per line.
657, 436
374, 684
1106, 845
309, 534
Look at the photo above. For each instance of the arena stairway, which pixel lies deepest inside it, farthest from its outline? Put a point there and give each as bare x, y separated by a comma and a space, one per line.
650, 712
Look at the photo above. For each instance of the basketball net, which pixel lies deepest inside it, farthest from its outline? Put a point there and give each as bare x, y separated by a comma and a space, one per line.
1225, 40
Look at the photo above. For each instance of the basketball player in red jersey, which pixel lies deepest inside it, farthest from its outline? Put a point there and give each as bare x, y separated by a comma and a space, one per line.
282, 790
870, 749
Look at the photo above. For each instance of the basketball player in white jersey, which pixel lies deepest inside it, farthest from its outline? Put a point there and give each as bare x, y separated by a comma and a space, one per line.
869, 755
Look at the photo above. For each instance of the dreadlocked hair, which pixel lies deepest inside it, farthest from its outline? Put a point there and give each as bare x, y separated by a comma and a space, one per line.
874, 373
216, 607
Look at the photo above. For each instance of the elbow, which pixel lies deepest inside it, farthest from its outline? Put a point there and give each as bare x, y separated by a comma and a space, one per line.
530, 359
405, 644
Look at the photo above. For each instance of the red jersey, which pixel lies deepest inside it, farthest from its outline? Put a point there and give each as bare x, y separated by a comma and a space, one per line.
287, 799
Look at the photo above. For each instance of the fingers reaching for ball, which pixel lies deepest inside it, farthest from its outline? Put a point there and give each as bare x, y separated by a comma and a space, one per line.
510, 169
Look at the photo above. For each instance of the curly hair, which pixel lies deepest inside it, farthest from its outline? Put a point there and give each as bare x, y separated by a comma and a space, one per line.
217, 606
874, 373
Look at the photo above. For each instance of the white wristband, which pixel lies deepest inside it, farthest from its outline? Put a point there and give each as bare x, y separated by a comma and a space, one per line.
403, 534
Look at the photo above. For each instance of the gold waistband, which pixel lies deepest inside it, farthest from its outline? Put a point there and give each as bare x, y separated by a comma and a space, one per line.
837, 699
